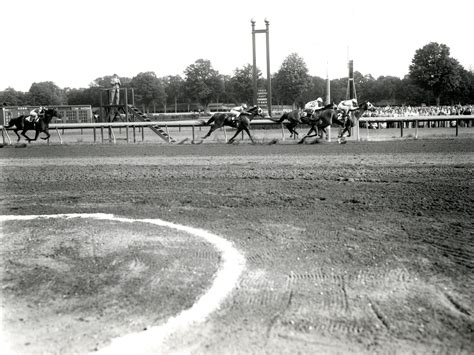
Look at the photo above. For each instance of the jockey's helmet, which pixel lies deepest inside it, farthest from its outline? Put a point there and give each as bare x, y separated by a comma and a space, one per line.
244, 106
319, 99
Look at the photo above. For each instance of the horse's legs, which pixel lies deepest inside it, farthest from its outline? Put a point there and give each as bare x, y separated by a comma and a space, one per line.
212, 129
294, 134
348, 124
308, 135
346, 127
23, 133
291, 127
47, 134
323, 131
341, 125
235, 135
316, 130
16, 132
37, 132
248, 132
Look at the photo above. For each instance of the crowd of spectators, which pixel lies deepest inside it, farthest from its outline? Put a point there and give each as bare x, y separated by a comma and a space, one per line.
415, 111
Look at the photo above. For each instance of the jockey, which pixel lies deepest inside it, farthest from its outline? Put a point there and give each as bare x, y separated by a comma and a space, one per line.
236, 111
36, 113
347, 106
313, 106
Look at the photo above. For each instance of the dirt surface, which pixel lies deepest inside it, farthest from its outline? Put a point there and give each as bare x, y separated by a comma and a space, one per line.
364, 247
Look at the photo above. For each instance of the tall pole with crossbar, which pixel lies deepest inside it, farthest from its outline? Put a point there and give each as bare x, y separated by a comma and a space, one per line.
254, 71
254, 67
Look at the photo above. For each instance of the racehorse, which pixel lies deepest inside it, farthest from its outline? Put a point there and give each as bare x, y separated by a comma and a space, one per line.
41, 125
347, 123
241, 123
331, 115
296, 116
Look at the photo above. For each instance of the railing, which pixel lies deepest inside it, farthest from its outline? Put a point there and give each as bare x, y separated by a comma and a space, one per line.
417, 119
131, 127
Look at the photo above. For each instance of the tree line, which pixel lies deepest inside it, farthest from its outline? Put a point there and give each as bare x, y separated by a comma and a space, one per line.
434, 78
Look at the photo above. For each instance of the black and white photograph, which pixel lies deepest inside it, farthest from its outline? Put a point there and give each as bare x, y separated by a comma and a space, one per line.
236, 177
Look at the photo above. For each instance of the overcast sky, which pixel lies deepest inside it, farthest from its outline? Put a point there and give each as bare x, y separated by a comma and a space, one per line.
73, 42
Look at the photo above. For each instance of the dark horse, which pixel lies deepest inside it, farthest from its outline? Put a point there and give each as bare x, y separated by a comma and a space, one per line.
325, 118
296, 117
42, 125
241, 123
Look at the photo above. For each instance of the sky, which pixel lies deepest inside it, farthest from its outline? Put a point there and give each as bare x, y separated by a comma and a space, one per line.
73, 42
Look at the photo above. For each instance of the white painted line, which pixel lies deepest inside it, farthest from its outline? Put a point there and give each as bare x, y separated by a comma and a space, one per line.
153, 339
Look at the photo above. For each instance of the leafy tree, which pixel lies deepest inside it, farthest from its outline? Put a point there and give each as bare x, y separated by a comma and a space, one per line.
465, 91
412, 94
432, 68
383, 91
241, 84
12, 97
315, 89
89, 96
174, 89
339, 89
227, 95
292, 79
149, 89
202, 83
46, 93
364, 86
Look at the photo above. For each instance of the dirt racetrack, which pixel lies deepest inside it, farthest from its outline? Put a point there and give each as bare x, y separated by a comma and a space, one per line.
365, 247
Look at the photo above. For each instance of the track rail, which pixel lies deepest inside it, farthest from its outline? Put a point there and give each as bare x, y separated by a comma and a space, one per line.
261, 122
